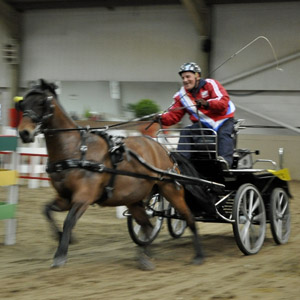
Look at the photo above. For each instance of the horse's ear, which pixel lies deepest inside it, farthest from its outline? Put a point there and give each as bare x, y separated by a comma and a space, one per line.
43, 84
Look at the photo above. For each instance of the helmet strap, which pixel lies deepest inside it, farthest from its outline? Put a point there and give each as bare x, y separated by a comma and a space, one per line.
197, 81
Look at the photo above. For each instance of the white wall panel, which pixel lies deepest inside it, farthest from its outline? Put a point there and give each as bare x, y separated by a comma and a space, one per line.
132, 44
79, 96
237, 25
4, 67
280, 106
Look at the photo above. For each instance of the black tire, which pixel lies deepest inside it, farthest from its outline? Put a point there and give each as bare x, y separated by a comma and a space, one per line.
176, 227
250, 219
280, 218
155, 203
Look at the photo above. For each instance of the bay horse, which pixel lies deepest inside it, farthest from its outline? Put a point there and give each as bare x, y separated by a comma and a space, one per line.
77, 164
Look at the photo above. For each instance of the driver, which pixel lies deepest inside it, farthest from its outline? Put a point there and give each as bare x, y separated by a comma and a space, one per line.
209, 106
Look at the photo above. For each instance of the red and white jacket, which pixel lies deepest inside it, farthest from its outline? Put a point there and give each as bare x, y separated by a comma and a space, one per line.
220, 106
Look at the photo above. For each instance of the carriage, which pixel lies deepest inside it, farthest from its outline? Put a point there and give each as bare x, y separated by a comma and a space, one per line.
251, 197
88, 166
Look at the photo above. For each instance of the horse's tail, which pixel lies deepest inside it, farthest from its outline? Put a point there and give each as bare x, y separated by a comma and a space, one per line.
200, 198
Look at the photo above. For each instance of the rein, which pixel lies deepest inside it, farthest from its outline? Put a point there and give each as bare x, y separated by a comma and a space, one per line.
167, 176
103, 128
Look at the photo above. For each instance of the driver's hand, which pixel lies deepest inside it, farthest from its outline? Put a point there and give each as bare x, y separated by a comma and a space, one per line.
202, 103
156, 118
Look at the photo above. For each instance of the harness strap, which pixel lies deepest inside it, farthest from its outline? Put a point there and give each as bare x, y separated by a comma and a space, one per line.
101, 168
83, 146
115, 150
179, 177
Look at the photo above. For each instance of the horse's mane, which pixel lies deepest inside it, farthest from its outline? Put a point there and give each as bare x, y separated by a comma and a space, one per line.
199, 198
41, 87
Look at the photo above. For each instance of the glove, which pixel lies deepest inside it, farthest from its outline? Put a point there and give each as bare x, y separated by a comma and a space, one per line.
202, 103
156, 118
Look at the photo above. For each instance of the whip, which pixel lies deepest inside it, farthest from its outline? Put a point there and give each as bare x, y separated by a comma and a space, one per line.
245, 47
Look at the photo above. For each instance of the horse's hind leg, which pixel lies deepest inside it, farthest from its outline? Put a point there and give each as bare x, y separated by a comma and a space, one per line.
176, 198
138, 212
183, 210
199, 257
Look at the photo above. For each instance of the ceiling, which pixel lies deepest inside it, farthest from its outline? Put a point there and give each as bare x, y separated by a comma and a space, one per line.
23, 5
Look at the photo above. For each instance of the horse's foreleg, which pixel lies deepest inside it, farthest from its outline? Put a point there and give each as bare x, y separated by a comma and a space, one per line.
73, 215
48, 209
139, 214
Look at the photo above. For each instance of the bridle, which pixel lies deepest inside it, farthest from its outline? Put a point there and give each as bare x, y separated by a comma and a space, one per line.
48, 108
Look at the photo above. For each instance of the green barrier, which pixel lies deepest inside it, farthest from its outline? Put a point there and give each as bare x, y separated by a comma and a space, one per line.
8, 143
7, 211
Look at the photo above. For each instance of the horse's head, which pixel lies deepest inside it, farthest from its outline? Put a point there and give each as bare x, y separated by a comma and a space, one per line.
37, 107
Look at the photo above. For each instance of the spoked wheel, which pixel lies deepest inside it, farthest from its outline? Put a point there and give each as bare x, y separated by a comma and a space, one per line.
250, 219
176, 227
280, 218
155, 203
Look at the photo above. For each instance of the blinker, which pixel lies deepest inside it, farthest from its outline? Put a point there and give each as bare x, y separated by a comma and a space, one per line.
19, 105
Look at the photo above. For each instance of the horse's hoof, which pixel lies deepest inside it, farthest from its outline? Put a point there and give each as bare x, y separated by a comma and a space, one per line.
58, 262
145, 263
198, 260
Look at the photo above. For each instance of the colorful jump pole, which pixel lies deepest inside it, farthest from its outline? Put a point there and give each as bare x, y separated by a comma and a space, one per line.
9, 178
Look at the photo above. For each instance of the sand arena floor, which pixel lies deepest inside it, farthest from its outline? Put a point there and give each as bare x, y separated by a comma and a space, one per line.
102, 264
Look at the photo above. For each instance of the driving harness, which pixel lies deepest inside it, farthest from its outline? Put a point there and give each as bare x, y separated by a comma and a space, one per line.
116, 150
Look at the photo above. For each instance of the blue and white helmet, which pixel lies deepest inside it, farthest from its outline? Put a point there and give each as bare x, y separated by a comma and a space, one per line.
190, 67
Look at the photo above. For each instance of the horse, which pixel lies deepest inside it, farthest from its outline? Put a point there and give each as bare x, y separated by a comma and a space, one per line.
84, 170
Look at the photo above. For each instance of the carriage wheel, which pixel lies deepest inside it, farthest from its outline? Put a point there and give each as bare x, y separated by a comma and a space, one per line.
155, 203
176, 227
280, 218
250, 219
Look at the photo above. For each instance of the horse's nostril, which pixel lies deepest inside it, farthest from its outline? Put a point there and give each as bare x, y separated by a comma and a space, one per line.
25, 136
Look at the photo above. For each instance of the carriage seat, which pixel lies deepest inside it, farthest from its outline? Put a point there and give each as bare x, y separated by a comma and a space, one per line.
204, 147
